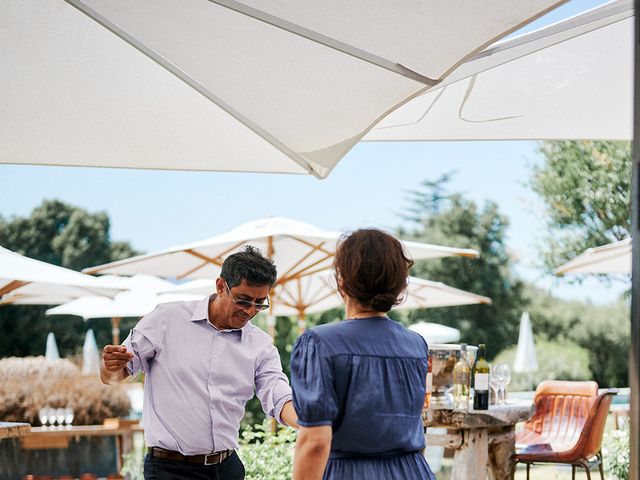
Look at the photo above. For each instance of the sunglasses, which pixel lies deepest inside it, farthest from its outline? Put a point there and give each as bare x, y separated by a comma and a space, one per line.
246, 303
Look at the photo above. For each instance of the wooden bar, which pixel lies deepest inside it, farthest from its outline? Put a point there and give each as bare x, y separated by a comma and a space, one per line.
13, 430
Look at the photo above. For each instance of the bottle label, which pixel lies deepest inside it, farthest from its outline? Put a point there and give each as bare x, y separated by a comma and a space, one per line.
429, 382
481, 382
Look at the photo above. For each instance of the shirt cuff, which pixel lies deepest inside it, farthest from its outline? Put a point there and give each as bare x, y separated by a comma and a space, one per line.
277, 410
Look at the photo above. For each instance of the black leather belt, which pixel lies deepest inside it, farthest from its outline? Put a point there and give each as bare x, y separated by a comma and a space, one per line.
207, 459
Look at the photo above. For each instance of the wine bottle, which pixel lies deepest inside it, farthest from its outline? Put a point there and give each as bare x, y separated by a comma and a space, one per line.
461, 381
481, 373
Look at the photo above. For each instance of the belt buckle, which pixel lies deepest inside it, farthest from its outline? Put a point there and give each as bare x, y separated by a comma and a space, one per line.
215, 459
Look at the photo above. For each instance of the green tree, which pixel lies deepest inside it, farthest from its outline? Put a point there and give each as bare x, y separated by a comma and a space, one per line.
585, 186
451, 219
65, 235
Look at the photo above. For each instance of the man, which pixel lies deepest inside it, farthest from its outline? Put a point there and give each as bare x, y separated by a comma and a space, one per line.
203, 360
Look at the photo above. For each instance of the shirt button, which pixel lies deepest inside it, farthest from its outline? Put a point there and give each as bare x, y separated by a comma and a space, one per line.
215, 356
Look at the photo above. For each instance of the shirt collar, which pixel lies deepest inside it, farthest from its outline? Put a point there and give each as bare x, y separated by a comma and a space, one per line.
201, 312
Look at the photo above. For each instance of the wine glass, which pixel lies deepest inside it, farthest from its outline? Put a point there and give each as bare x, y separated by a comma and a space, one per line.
502, 375
494, 383
43, 416
60, 414
68, 416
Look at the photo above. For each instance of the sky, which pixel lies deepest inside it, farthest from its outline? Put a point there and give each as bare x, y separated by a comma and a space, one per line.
157, 209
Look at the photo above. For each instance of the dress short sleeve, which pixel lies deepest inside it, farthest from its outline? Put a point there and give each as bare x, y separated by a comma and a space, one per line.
314, 395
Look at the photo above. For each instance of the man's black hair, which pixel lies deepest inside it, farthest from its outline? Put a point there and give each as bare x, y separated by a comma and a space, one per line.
251, 266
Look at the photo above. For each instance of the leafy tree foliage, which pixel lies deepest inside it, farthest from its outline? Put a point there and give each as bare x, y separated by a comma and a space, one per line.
585, 186
603, 331
65, 235
450, 219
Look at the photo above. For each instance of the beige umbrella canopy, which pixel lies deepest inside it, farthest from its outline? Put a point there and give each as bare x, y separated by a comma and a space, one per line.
611, 258
507, 91
297, 248
231, 85
24, 280
317, 293
141, 298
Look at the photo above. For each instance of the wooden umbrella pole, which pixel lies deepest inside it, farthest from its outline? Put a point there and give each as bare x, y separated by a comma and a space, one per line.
115, 330
302, 321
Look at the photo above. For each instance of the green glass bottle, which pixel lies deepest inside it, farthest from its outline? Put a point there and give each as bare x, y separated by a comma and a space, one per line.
481, 374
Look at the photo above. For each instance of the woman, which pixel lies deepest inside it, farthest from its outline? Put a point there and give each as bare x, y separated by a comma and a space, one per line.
359, 385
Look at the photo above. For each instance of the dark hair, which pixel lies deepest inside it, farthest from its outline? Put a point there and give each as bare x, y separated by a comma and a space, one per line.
249, 265
373, 267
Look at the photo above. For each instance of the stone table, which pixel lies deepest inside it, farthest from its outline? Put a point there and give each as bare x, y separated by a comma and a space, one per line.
11, 430
484, 440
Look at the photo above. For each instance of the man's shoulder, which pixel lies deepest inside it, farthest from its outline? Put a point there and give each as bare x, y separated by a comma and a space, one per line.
256, 334
172, 310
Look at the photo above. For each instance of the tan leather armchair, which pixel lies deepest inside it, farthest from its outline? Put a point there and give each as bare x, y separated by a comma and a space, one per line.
567, 426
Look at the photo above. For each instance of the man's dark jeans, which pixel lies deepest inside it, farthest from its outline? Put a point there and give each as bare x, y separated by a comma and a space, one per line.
160, 469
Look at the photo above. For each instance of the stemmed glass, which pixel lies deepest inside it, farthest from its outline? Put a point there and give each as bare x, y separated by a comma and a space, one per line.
60, 415
494, 383
68, 417
502, 374
43, 416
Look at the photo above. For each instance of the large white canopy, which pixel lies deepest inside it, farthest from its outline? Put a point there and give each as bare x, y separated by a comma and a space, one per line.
436, 333
297, 248
232, 85
570, 80
317, 293
144, 295
26, 280
611, 258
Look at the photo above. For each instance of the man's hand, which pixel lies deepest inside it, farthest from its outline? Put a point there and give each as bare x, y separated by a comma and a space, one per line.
114, 361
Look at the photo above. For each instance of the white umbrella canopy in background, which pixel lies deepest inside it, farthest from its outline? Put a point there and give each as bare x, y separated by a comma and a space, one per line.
507, 91
25, 281
317, 293
436, 333
224, 84
611, 258
297, 248
90, 355
51, 349
140, 299
526, 360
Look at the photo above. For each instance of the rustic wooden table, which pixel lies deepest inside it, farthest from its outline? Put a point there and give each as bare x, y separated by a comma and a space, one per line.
11, 430
484, 440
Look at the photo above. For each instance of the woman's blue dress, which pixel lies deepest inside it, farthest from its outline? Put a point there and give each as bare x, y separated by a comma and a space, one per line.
365, 378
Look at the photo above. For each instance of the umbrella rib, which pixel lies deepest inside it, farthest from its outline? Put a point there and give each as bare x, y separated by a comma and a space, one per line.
305, 271
12, 286
195, 84
321, 39
311, 252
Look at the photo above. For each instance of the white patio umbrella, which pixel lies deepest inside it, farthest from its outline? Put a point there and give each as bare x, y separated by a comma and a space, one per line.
297, 248
137, 302
436, 333
25, 280
224, 84
539, 85
51, 350
90, 355
526, 360
317, 293
611, 258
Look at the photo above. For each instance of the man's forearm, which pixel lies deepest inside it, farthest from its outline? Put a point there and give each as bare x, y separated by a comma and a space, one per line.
288, 415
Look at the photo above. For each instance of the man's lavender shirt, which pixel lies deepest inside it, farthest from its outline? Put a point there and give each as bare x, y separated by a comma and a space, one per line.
199, 378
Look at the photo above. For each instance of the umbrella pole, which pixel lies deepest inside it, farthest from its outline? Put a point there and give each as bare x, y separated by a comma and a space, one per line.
302, 322
115, 330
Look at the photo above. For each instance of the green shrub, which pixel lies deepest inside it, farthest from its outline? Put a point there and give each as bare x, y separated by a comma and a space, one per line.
267, 455
615, 451
556, 361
